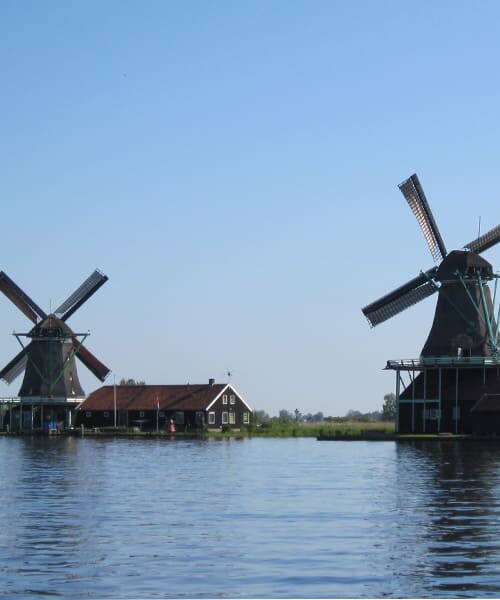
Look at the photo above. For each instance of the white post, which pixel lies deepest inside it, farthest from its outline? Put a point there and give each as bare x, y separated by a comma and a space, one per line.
157, 415
114, 396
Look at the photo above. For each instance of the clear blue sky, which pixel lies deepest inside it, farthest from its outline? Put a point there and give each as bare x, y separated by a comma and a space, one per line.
233, 168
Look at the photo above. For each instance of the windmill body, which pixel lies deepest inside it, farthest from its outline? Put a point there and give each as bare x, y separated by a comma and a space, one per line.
460, 320
454, 385
50, 389
51, 369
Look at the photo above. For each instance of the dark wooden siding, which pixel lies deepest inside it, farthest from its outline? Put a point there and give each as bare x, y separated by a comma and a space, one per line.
238, 408
472, 385
188, 406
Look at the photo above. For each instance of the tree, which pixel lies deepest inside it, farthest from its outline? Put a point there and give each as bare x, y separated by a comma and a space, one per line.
389, 407
318, 417
285, 415
354, 415
131, 382
259, 417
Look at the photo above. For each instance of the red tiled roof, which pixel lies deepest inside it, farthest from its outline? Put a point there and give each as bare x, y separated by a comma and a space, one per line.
147, 397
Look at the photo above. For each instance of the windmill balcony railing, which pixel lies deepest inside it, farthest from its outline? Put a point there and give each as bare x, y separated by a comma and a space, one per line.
425, 362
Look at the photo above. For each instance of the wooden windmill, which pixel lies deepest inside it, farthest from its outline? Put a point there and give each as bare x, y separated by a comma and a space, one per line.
48, 359
457, 371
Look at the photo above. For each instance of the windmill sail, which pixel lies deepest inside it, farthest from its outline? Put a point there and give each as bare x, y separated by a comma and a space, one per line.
81, 295
414, 194
90, 361
16, 366
484, 242
20, 298
400, 299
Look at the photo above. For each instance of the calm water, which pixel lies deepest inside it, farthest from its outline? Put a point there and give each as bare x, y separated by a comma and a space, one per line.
87, 518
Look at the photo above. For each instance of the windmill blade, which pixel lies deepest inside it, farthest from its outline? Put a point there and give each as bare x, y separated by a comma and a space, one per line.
20, 299
401, 298
16, 366
81, 295
414, 194
90, 361
485, 241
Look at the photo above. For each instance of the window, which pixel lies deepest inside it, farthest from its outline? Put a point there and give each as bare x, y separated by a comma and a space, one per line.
246, 418
432, 414
232, 418
179, 417
456, 413
141, 414
232, 399
224, 399
106, 414
211, 418
225, 418
161, 413
88, 413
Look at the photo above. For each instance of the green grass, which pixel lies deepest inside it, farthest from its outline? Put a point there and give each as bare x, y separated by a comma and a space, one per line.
336, 429
359, 429
274, 428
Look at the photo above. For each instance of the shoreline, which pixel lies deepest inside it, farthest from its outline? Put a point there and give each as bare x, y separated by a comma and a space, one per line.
366, 436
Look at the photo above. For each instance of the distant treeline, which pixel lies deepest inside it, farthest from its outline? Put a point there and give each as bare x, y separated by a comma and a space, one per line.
387, 413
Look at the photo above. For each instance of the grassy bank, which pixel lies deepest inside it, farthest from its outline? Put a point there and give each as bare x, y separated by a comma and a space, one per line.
277, 428
341, 429
274, 428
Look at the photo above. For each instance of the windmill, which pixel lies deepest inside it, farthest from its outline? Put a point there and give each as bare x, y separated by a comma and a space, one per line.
465, 327
48, 359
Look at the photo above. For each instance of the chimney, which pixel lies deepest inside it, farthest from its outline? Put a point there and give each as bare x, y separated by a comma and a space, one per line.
211, 382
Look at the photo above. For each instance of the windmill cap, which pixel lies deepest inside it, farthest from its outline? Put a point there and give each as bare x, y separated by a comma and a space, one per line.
467, 264
51, 326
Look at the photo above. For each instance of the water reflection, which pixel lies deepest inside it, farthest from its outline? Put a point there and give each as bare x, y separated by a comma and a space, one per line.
253, 518
455, 514
47, 489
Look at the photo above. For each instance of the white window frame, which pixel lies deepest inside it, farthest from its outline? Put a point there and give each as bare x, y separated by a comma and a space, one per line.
224, 399
232, 399
432, 414
232, 418
225, 418
246, 418
211, 418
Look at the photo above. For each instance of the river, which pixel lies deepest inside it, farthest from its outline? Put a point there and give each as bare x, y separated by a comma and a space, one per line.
253, 518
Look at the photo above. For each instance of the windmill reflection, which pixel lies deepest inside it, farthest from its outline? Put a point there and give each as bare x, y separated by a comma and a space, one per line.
458, 497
